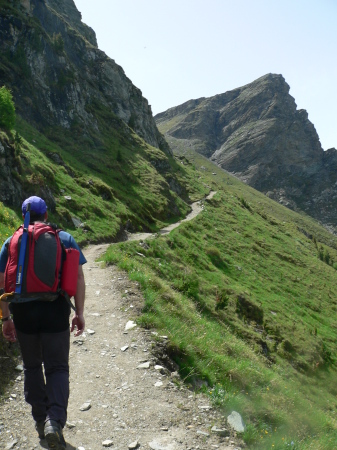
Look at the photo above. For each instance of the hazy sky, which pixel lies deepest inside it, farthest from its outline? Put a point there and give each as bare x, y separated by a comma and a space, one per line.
176, 50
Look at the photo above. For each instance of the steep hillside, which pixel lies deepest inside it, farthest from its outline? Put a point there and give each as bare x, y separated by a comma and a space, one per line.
256, 133
246, 294
94, 204
59, 77
88, 133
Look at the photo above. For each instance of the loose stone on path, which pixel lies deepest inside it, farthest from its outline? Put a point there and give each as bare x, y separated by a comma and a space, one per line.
130, 325
85, 407
145, 365
11, 444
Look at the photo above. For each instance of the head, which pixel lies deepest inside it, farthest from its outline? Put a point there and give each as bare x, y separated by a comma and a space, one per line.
38, 209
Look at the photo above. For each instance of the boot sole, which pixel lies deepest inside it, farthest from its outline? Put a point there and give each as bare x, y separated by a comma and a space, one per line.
54, 442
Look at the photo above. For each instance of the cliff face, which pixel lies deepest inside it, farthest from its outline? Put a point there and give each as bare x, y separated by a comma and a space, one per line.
256, 133
58, 76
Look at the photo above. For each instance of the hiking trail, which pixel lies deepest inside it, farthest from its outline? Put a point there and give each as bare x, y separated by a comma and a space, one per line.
121, 396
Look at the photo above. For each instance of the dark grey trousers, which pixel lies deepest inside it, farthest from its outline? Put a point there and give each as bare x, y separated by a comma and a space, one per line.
47, 391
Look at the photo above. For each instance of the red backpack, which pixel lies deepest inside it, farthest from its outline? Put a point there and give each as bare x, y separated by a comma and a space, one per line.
44, 260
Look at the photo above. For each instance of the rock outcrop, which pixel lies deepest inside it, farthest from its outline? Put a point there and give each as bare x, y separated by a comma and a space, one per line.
58, 76
256, 133
10, 189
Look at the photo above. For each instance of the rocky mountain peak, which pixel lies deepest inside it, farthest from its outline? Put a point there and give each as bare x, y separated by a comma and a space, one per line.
257, 133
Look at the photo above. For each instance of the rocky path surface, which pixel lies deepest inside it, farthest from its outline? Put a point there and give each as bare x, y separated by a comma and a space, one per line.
121, 396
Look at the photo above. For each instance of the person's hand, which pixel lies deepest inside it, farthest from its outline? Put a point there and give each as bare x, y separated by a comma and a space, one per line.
8, 330
79, 323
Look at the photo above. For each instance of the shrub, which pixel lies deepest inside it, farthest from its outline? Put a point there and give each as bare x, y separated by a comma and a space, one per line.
7, 109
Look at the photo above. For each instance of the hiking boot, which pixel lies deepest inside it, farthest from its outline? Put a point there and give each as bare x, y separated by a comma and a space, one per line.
54, 436
39, 427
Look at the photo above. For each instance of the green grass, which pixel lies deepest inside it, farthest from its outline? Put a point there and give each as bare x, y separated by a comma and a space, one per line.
109, 193
9, 222
249, 307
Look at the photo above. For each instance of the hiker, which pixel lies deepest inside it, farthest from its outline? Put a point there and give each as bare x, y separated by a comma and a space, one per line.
42, 329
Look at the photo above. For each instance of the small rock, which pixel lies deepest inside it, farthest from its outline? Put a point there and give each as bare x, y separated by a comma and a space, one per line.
130, 325
107, 443
133, 445
202, 433
90, 331
220, 431
19, 378
206, 407
67, 197
80, 448
236, 422
77, 222
158, 384
19, 368
97, 292
159, 368
13, 395
145, 365
70, 425
123, 349
85, 407
11, 444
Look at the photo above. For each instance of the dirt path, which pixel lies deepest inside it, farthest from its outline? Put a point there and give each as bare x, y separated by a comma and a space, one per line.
129, 402
197, 207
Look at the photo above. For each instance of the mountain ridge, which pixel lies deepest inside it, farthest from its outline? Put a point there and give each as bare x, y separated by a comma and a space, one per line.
256, 133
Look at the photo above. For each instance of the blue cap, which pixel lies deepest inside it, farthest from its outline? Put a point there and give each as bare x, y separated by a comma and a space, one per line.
37, 204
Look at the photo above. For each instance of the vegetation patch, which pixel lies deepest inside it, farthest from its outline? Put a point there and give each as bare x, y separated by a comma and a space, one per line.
232, 299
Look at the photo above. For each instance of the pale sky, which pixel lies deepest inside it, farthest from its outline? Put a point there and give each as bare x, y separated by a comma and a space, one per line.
177, 50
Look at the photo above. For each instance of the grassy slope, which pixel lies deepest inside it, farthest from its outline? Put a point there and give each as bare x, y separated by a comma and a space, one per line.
249, 307
107, 189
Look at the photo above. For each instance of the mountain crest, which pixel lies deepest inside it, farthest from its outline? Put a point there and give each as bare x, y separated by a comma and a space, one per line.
257, 133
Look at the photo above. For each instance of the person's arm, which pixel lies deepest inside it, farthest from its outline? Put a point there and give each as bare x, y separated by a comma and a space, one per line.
8, 328
78, 319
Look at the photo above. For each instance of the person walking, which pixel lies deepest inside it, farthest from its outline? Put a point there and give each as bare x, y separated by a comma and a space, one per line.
43, 332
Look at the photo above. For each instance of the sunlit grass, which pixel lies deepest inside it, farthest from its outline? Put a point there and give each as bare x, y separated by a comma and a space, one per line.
9, 222
248, 307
